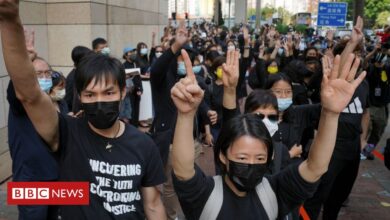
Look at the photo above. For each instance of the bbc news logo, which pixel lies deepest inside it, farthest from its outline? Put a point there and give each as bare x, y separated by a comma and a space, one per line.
48, 193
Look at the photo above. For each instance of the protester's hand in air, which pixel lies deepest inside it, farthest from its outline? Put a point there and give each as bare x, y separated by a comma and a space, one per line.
186, 94
329, 54
330, 35
278, 44
230, 70
295, 151
213, 116
9, 10
289, 42
181, 37
337, 89
29, 35
357, 32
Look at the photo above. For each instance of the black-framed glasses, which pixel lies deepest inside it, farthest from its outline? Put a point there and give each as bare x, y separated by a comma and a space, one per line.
271, 117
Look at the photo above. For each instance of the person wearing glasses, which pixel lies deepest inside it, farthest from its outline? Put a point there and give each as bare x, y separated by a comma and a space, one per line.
263, 103
293, 119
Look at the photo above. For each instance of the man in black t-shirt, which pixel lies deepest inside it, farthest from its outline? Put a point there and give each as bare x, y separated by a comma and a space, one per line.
122, 165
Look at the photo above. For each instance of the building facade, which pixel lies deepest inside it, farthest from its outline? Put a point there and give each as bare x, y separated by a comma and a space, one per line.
60, 25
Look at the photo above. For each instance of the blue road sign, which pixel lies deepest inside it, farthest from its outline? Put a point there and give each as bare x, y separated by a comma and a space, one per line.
332, 14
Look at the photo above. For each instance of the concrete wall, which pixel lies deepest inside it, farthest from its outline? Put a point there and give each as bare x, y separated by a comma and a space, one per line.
61, 25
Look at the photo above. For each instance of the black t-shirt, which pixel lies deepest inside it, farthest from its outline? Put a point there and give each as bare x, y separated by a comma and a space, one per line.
289, 187
350, 124
116, 175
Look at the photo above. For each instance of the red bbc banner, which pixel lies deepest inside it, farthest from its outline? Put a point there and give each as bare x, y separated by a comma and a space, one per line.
48, 193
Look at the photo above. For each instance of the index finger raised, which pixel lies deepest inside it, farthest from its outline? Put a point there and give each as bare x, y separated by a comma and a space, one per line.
188, 65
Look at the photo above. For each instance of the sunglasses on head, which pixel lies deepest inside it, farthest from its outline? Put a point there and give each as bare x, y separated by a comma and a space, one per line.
272, 117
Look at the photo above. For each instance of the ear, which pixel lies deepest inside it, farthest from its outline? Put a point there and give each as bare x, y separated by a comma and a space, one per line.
223, 158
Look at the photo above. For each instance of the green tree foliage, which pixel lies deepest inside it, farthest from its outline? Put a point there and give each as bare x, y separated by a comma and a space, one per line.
282, 28
301, 28
381, 20
267, 12
373, 8
285, 15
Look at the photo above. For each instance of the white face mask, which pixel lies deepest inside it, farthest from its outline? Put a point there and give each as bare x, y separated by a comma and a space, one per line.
144, 51
59, 95
272, 127
158, 54
106, 51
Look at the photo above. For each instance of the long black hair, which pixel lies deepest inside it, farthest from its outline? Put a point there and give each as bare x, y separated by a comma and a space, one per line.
274, 78
243, 125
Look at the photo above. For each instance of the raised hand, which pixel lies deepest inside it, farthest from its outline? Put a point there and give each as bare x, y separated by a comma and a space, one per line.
278, 44
29, 36
357, 32
289, 42
230, 70
9, 10
295, 151
330, 35
338, 89
186, 94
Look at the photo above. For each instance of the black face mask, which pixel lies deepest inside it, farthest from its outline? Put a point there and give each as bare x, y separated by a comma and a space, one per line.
246, 177
133, 57
102, 115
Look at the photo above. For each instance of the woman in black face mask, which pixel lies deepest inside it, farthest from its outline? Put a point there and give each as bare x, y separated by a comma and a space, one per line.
242, 191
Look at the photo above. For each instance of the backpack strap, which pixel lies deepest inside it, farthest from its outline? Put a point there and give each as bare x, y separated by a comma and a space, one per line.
268, 198
214, 202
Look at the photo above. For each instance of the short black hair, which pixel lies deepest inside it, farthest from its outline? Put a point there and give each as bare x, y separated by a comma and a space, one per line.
260, 98
98, 41
242, 125
78, 53
57, 78
99, 67
274, 78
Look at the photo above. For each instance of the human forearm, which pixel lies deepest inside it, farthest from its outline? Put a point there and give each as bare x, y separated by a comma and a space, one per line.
322, 149
17, 61
229, 98
153, 206
274, 52
183, 153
